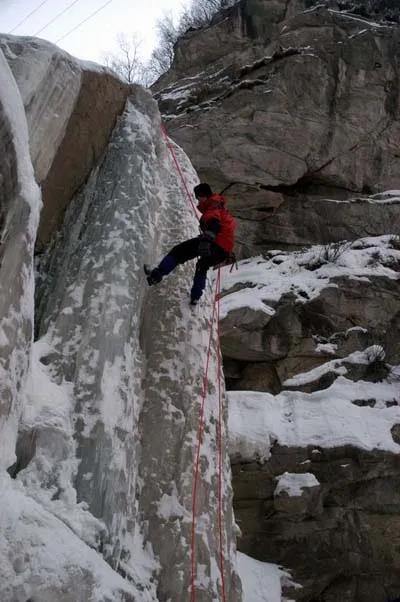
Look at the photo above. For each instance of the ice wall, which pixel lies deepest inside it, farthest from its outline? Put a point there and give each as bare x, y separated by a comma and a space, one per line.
110, 411
19, 212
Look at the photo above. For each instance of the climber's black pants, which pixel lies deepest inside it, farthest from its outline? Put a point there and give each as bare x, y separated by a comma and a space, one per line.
187, 250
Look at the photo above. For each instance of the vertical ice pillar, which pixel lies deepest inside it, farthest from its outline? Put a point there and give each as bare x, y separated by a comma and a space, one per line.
19, 211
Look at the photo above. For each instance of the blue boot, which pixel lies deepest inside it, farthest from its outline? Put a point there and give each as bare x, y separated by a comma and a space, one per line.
154, 276
166, 266
199, 284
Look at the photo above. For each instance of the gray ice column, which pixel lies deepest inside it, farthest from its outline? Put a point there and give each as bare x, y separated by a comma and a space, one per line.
90, 316
175, 339
135, 357
19, 211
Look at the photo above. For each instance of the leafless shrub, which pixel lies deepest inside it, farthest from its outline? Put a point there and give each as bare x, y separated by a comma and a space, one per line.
394, 242
126, 61
163, 54
377, 367
328, 253
331, 252
200, 93
198, 14
375, 258
375, 353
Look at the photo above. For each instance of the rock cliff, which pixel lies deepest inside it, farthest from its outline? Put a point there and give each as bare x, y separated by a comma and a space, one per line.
311, 352
294, 110
284, 107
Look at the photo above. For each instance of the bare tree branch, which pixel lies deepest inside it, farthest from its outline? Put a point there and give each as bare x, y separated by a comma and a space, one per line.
198, 14
126, 62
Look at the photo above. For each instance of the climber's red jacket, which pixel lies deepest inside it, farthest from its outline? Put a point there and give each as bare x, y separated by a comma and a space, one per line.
217, 219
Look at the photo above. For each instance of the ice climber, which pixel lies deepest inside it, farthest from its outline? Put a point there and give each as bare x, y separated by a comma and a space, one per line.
213, 246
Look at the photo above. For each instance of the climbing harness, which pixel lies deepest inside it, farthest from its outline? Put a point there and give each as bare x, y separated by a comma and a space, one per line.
200, 432
230, 260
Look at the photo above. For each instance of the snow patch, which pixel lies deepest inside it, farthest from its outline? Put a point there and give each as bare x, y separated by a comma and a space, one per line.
330, 348
336, 366
262, 581
326, 418
304, 274
293, 483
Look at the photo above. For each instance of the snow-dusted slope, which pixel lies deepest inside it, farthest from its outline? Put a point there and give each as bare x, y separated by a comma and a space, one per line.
326, 418
262, 581
304, 274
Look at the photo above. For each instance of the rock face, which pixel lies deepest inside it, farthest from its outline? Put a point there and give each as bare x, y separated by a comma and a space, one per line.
319, 341
99, 429
342, 546
71, 109
307, 309
300, 221
286, 107
289, 338
294, 110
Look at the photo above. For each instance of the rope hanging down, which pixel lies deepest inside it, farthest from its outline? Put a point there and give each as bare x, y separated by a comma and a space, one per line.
196, 467
215, 316
178, 168
220, 442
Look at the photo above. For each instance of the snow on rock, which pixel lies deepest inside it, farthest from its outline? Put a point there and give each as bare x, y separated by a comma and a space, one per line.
46, 441
336, 366
326, 348
293, 483
262, 581
365, 22
262, 282
19, 214
326, 418
39, 513
71, 108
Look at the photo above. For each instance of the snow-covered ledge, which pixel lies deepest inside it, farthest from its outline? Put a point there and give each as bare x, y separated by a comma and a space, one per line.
326, 418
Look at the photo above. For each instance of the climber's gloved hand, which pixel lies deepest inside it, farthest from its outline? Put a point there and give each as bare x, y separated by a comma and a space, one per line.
205, 246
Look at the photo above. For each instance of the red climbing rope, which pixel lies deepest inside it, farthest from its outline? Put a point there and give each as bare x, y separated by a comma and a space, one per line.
215, 314
196, 467
197, 455
178, 168
220, 444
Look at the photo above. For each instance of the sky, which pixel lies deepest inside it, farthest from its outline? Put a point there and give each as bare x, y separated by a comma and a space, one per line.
97, 36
